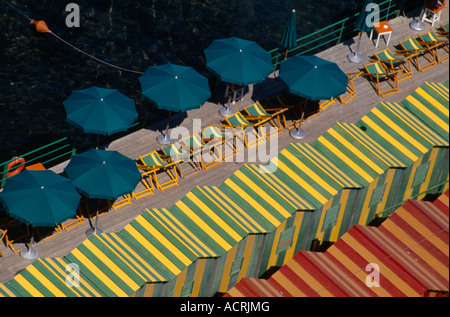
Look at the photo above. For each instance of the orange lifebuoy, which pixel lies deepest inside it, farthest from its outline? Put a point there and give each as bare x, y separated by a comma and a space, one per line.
13, 171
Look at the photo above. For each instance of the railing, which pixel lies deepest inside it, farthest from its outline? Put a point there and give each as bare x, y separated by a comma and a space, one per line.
337, 32
60, 150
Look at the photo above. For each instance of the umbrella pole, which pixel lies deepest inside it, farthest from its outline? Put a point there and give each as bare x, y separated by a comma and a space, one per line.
418, 25
164, 138
355, 57
91, 231
30, 253
297, 132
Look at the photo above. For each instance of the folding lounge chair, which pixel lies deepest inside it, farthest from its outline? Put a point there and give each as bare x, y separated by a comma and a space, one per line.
391, 62
431, 41
256, 110
351, 90
213, 135
241, 123
176, 153
47, 234
152, 164
376, 73
13, 231
200, 149
443, 30
411, 48
72, 223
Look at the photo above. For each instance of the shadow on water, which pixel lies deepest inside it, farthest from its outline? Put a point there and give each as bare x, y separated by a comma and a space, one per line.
39, 72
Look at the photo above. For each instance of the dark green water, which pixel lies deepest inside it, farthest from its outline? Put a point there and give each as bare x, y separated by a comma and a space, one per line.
38, 72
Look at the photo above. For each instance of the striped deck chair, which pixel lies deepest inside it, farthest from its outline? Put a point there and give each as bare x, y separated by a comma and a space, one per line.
177, 153
289, 101
152, 164
256, 110
324, 104
14, 232
376, 73
392, 62
443, 30
45, 234
431, 41
200, 149
240, 123
72, 223
412, 47
351, 90
214, 135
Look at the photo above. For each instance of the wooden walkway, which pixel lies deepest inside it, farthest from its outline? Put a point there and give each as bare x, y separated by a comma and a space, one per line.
144, 140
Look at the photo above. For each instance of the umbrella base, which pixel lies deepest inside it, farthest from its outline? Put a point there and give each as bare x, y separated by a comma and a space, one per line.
29, 254
164, 139
355, 58
297, 133
417, 25
226, 111
91, 231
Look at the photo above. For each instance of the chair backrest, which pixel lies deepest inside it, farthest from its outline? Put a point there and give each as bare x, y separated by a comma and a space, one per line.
385, 54
237, 119
375, 69
256, 109
212, 132
194, 141
430, 36
411, 44
152, 159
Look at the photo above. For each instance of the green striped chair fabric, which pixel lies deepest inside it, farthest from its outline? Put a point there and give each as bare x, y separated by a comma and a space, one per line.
412, 46
377, 73
432, 42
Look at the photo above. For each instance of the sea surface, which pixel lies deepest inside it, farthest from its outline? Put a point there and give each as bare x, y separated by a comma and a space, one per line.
38, 72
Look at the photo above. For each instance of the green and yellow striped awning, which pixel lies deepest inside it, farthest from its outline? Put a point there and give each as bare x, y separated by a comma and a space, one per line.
214, 195
209, 222
193, 240
396, 136
158, 246
7, 291
321, 161
412, 121
53, 277
429, 103
350, 155
106, 267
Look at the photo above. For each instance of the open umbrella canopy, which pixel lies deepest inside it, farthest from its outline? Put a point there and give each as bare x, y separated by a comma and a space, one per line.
312, 77
238, 61
289, 37
40, 198
175, 87
100, 110
103, 174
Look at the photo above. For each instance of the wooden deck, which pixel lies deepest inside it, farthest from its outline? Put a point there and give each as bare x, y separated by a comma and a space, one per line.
144, 140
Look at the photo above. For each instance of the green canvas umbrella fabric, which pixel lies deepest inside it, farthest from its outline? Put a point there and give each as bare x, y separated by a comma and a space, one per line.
100, 110
40, 198
238, 61
175, 87
361, 23
289, 37
103, 174
312, 77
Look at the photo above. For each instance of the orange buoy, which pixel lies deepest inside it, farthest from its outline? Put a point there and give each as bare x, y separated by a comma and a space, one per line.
40, 26
13, 171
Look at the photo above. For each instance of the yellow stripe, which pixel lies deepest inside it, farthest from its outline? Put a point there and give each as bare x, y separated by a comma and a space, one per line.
45, 282
57, 273
432, 159
364, 214
235, 211
253, 203
428, 113
356, 151
98, 273
28, 286
298, 224
110, 264
440, 89
198, 276
261, 193
214, 217
304, 168
163, 240
400, 131
388, 181
152, 249
346, 159
433, 101
340, 216
192, 239
7, 291
230, 257
389, 138
203, 225
273, 257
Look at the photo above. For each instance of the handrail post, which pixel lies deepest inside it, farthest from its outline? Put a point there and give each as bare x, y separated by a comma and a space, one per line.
340, 33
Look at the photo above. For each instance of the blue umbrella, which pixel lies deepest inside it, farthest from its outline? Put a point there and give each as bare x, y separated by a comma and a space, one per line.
174, 88
289, 37
100, 110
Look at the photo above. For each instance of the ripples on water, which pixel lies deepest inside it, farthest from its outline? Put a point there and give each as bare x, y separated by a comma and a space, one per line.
38, 72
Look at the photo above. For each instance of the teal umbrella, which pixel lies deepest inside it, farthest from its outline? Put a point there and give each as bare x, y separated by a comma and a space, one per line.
175, 88
100, 110
312, 78
238, 61
289, 37
103, 174
362, 24
39, 199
